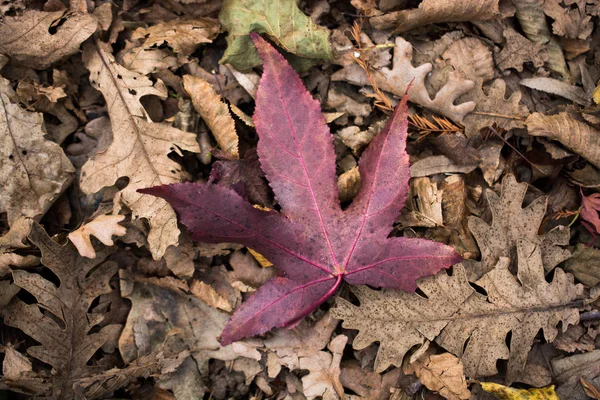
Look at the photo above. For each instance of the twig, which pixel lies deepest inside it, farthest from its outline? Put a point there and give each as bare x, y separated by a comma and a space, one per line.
515, 150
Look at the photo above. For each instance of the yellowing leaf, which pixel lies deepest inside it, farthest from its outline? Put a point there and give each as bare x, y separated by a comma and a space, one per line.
214, 112
102, 227
596, 95
260, 258
508, 393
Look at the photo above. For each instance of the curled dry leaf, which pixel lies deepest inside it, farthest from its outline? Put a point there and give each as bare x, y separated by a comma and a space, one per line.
103, 228
402, 75
34, 171
348, 184
437, 11
323, 379
442, 373
65, 339
139, 149
573, 134
27, 39
214, 112
208, 295
453, 313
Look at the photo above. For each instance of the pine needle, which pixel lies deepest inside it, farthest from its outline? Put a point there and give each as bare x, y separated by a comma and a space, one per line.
439, 125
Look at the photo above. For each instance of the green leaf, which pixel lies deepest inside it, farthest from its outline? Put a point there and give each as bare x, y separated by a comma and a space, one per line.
281, 20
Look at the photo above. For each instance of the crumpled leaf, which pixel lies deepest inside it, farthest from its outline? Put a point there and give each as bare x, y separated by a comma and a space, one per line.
403, 74
323, 379
437, 11
281, 20
453, 313
214, 112
442, 373
511, 223
507, 393
27, 39
573, 134
33, 171
139, 149
103, 228
518, 50
66, 346
572, 23
313, 242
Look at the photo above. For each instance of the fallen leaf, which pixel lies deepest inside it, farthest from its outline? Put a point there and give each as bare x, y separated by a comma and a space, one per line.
404, 77
139, 149
65, 341
519, 50
27, 39
576, 338
590, 389
560, 88
103, 228
507, 393
348, 184
436, 11
214, 112
568, 372
323, 379
590, 205
367, 383
281, 20
15, 364
442, 373
573, 134
572, 23
34, 171
584, 264
315, 264
208, 295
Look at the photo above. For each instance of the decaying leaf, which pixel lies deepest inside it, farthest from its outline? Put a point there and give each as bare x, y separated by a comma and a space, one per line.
281, 20
573, 134
214, 112
570, 22
34, 171
507, 393
139, 149
323, 379
65, 339
442, 373
436, 11
402, 75
103, 228
453, 313
28, 40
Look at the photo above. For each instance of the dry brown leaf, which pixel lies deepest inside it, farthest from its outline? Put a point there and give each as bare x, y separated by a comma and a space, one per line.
33, 170
348, 184
442, 373
66, 345
560, 88
518, 50
455, 312
512, 223
471, 56
572, 23
247, 269
16, 235
103, 228
573, 134
568, 372
139, 149
425, 204
183, 36
436, 11
584, 264
214, 112
368, 384
208, 295
15, 365
492, 108
403, 74
27, 39
438, 165
576, 339
323, 379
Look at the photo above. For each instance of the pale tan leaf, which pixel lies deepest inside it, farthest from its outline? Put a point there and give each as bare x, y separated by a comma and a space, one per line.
27, 39
436, 11
438, 165
139, 149
33, 171
323, 379
573, 134
471, 56
442, 373
208, 295
14, 364
348, 184
403, 74
560, 88
214, 112
103, 228
16, 235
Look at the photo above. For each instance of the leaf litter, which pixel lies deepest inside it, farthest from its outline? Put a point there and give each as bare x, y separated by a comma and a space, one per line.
106, 292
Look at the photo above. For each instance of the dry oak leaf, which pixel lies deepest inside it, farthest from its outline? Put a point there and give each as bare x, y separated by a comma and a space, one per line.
442, 373
66, 345
214, 112
510, 223
437, 11
183, 36
103, 228
495, 109
573, 134
314, 242
323, 379
402, 75
453, 313
34, 171
139, 149
518, 50
27, 39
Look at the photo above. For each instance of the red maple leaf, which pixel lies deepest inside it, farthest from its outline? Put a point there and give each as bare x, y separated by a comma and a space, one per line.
313, 242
